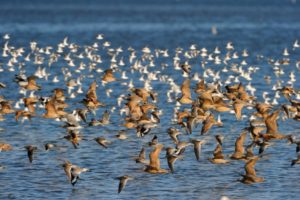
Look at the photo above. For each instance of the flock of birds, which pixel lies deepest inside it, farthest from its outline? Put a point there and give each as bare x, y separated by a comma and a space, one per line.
221, 86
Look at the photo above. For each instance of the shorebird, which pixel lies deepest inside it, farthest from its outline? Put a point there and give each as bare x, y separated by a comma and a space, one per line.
238, 106
142, 157
6, 107
171, 160
72, 122
144, 129
75, 172
28, 83
154, 165
218, 158
67, 168
186, 97
249, 151
173, 133
272, 127
121, 135
105, 118
102, 141
208, 123
154, 141
51, 111
30, 149
123, 181
91, 101
24, 114
74, 137
239, 147
197, 147
5, 147
250, 176
29, 102
262, 109
108, 76
49, 146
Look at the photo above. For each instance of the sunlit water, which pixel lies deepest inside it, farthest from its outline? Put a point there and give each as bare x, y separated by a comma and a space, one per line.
262, 28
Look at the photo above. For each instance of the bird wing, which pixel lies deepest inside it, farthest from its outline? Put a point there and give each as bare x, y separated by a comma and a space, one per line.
271, 122
249, 167
239, 144
197, 149
171, 160
106, 116
50, 107
122, 184
82, 114
185, 88
18, 114
262, 107
238, 106
91, 94
207, 124
154, 157
142, 153
218, 152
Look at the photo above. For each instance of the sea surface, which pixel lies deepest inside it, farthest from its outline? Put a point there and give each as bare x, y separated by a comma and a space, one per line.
264, 28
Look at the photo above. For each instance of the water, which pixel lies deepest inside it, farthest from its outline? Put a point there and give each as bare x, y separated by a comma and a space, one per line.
264, 28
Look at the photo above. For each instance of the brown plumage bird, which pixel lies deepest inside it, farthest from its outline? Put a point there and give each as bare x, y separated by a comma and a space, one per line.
5, 147
32, 85
255, 131
143, 94
208, 123
173, 133
271, 122
74, 137
51, 111
200, 87
6, 108
250, 176
108, 76
142, 157
59, 94
238, 106
181, 116
287, 92
272, 127
29, 102
262, 109
218, 158
239, 147
91, 100
186, 97
154, 165
24, 114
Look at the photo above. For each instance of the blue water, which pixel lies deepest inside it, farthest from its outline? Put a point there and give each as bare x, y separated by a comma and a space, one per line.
262, 27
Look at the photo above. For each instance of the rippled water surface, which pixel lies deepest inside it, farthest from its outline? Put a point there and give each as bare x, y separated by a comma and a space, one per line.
263, 27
